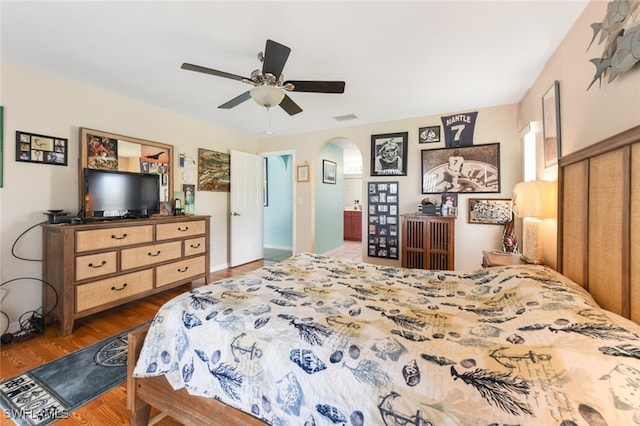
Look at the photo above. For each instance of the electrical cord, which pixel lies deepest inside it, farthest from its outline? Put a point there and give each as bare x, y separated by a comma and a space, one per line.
18, 239
31, 322
31, 325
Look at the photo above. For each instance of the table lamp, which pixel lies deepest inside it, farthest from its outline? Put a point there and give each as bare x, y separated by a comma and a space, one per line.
534, 201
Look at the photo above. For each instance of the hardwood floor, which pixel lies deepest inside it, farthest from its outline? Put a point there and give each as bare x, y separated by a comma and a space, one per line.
111, 408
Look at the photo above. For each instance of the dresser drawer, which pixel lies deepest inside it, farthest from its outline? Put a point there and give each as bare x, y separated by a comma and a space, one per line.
95, 265
97, 239
195, 246
167, 231
148, 255
98, 293
178, 271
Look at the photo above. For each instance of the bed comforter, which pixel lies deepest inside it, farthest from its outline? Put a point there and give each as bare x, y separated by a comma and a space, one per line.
316, 340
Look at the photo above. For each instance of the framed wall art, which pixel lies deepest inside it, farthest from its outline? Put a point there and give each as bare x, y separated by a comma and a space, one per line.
429, 134
302, 173
329, 171
466, 169
389, 154
34, 148
449, 204
551, 124
489, 211
214, 170
383, 225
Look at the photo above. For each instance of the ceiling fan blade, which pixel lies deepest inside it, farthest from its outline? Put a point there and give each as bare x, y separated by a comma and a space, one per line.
289, 106
198, 68
316, 86
275, 56
236, 101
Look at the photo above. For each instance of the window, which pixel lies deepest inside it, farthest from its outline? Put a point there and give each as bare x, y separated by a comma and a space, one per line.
528, 135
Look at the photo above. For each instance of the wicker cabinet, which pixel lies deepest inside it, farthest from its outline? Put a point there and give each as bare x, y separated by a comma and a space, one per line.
93, 267
428, 241
353, 225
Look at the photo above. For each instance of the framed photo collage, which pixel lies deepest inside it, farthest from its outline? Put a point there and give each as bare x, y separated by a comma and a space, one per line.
383, 230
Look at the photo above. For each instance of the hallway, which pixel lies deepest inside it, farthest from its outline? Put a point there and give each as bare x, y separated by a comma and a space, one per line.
351, 250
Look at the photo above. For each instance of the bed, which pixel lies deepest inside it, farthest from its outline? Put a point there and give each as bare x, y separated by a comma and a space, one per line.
316, 340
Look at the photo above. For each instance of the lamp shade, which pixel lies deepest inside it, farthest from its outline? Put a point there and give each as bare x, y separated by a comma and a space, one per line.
536, 199
267, 96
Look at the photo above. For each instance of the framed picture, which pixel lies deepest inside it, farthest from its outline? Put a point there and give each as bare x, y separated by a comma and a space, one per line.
429, 134
33, 148
383, 220
551, 124
302, 173
449, 204
389, 154
214, 170
489, 211
329, 171
466, 169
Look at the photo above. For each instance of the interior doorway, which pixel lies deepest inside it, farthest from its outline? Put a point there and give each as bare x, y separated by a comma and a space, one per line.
334, 212
279, 211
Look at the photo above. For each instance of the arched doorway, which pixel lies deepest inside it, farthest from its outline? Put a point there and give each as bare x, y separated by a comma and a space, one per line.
333, 200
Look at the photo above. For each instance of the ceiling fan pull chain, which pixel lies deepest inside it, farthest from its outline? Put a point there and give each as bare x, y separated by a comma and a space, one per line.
269, 132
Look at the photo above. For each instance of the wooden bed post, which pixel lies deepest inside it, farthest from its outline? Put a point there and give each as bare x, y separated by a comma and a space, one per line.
140, 410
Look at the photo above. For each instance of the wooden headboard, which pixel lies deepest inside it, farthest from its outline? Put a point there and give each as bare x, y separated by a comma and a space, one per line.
599, 221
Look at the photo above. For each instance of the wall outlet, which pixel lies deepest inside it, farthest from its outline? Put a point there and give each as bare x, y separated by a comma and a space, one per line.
2, 294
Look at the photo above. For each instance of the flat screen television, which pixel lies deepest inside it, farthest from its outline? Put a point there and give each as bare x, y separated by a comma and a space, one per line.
109, 194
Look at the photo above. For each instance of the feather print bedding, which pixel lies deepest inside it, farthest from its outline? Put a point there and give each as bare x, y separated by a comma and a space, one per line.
316, 340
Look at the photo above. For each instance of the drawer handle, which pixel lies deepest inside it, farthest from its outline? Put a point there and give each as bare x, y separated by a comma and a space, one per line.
157, 253
119, 289
195, 245
186, 228
115, 237
186, 268
91, 265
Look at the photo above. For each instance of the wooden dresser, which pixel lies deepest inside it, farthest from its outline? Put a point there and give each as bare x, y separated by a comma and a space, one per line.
94, 267
428, 241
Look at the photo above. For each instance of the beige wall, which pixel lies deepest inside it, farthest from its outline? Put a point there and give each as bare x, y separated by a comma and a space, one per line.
587, 116
38, 103
496, 124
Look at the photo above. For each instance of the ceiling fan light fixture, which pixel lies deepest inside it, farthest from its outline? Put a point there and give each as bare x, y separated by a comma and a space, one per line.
267, 96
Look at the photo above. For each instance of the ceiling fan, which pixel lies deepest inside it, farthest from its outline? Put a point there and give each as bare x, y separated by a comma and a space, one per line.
269, 86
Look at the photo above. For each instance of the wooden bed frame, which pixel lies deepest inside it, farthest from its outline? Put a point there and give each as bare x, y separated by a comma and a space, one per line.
188, 409
599, 221
598, 190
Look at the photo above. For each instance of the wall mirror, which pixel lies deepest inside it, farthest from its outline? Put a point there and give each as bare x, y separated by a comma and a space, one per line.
108, 151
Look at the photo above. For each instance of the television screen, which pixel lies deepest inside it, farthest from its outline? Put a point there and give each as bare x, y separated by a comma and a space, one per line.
115, 194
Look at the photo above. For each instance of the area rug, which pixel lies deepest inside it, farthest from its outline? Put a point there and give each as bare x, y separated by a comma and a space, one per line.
51, 391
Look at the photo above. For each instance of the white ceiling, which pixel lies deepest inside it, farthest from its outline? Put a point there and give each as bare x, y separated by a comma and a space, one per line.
398, 59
